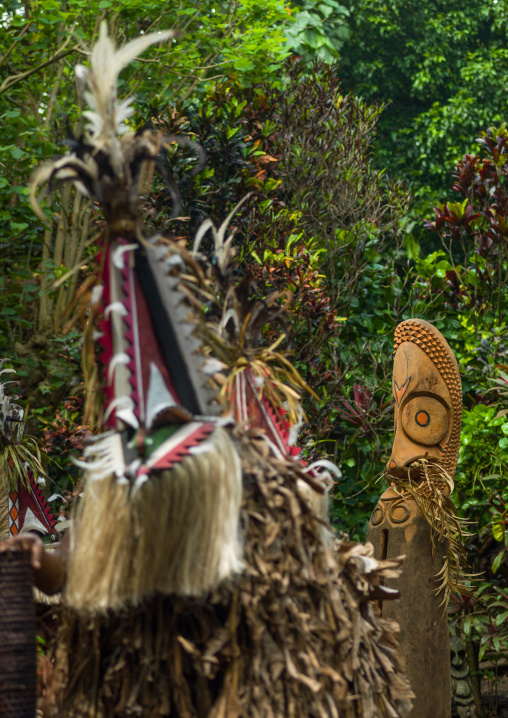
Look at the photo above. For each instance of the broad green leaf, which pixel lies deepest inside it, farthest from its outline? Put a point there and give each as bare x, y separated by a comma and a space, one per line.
497, 561
498, 532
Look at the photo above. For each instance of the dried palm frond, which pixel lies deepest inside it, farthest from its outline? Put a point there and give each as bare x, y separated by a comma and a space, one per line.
19, 459
275, 377
19, 454
224, 250
234, 337
432, 496
233, 341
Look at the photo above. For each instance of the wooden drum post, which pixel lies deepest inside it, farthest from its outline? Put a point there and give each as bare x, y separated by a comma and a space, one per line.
17, 636
428, 409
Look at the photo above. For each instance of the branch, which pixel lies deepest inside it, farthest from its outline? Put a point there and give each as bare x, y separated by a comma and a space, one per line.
4, 58
15, 79
54, 93
155, 22
175, 71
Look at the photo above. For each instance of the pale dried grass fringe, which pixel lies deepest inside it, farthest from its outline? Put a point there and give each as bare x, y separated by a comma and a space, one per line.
445, 525
43, 599
4, 509
178, 534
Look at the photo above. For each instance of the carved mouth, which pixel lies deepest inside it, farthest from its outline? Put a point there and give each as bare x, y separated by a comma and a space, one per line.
459, 672
410, 468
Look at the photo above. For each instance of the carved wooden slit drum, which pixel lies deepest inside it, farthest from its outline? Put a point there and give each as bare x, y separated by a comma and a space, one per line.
17, 636
398, 527
428, 408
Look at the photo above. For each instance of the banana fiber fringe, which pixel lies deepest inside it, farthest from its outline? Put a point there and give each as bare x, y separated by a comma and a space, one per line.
178, 533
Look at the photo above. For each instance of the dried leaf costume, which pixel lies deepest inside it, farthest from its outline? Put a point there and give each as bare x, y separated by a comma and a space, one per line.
204, 579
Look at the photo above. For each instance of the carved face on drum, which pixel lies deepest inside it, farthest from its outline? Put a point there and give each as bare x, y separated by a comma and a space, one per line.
428, 398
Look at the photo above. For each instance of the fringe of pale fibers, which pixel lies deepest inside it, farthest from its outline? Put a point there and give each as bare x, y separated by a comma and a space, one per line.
45, 600
4, 509
177, 534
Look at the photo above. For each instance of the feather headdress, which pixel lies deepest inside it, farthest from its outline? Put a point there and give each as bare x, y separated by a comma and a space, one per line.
109, 162
139, 304
165, 448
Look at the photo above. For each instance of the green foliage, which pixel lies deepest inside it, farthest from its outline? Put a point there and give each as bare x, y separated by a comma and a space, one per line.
482, 618
483, 460
341, 270
321, 228
319, 30
477, 225
64, 437
439, 66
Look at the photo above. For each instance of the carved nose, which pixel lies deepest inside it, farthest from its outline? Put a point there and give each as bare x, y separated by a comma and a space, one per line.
405, 451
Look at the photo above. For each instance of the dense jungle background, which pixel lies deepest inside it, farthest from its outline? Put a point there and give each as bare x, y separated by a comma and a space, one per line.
371, 137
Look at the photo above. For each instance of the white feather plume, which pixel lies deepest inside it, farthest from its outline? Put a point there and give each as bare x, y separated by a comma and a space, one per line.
107, 115
105, 130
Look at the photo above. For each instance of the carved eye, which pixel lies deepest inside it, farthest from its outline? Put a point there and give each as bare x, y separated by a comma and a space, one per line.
425, 420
